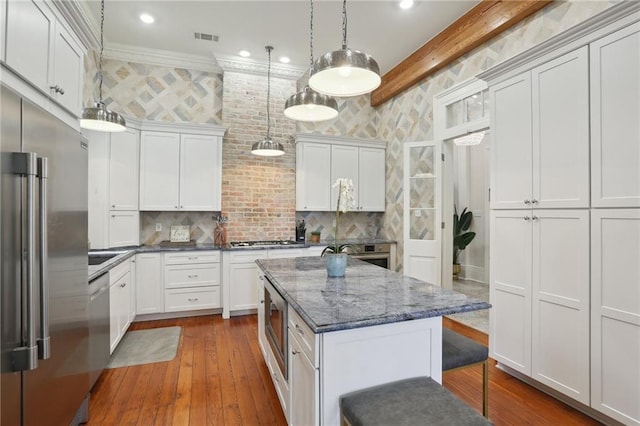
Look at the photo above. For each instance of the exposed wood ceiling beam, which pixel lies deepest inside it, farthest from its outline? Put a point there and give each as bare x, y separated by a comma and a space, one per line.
486, 20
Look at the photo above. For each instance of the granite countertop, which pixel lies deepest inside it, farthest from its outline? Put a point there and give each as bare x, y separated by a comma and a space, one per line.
367, 295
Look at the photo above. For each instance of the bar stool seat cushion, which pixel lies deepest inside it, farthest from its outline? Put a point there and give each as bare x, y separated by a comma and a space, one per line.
459, 351
415, 401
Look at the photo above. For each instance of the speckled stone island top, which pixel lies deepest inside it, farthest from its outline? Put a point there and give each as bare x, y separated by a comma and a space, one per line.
367, 295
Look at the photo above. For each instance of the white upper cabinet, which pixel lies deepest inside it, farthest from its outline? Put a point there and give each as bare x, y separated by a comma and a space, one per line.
159, 171
320, 160
511, 177
42, 51
313, 177
123, 170
200, 173
615, 111
372, 179
180, 171
540, 125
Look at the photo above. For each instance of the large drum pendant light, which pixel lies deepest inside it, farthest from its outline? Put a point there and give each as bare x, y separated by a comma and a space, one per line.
268, 147
345, 72
309, 105
99, 117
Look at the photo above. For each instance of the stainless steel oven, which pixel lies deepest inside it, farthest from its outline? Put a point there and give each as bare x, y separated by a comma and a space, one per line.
275, 324
376, 254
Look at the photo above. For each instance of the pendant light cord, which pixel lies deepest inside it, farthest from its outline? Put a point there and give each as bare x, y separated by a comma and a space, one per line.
269, 49
311, 39
101, 50
344, 24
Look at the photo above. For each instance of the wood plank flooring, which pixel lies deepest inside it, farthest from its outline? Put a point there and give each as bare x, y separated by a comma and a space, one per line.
220, 378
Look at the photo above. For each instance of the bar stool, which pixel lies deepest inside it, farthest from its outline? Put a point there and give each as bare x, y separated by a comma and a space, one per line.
459, 352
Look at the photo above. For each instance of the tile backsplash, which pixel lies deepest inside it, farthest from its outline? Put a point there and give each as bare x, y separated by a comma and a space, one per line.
202, 225
352, 225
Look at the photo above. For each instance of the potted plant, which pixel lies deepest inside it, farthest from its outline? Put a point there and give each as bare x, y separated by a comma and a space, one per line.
335, 256
315, 236
461, 235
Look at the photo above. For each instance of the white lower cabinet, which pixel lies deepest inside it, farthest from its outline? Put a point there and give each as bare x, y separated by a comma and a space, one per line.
304, 373
191, 280
615, 313
149, 283
540, 296
119, 302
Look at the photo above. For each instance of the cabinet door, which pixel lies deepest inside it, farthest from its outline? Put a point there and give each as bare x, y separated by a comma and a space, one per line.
149, 284
200, 173
561, 132
262, 337
114, 325
132, 289
123, 170
371, 179
124, 228
242, 286
302, 381
344, 164
615, 108
67, 71
510, 316
159, 171
124, 299
615, 313
29, 44
511, 172
313, 177
560, 311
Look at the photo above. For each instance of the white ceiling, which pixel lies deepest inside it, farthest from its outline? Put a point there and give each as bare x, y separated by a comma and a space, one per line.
379, 27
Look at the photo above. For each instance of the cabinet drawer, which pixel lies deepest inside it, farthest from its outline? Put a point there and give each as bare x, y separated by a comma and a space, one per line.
177, 276
247, 256
190, 299
190, 257
118, 271
301, 331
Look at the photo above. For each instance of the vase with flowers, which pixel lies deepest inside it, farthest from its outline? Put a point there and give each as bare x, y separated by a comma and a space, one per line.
335, 254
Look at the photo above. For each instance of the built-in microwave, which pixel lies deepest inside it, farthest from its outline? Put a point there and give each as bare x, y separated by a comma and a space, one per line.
275, 324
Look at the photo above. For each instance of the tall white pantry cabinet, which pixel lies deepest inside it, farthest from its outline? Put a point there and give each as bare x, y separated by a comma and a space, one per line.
565, 220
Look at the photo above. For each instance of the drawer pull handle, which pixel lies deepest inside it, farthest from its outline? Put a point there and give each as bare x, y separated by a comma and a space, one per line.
192, 258
294, 352
123, 285
195, 299
193, 276
299, 330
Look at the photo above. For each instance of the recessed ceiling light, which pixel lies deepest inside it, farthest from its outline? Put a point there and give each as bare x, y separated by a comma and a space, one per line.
285, 60
147, 19
244, 53
406, 4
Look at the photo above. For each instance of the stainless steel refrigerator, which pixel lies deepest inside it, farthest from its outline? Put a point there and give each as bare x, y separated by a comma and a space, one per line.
44, 290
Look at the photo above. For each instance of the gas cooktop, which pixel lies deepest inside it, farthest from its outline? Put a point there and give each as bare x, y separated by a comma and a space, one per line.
265, 243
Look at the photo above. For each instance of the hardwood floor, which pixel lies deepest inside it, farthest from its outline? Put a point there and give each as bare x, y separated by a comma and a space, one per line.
219, 378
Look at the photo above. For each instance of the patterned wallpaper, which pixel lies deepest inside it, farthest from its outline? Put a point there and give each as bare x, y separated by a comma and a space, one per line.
267, 186
409, 116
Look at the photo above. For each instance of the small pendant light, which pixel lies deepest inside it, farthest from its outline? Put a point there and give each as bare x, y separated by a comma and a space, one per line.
309, 105
99, 117
345, 72
267, 147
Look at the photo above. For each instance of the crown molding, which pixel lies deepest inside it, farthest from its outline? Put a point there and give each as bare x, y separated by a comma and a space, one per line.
341, 140
175, 127
248, 66
80, 21
162, 58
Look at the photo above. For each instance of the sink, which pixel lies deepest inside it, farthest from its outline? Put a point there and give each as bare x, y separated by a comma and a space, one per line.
99, 259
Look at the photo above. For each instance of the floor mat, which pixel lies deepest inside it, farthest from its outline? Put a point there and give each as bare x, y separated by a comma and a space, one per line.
146, 346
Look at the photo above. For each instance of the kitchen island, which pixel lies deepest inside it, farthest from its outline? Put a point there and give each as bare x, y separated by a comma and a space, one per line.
373, 326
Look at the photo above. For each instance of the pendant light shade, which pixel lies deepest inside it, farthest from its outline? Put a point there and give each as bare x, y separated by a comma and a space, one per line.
469, 139
99, 117
345, 72
309, 105
267, 147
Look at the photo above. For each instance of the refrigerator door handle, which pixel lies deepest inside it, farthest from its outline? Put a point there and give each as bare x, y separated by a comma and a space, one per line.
44, 341
26, 356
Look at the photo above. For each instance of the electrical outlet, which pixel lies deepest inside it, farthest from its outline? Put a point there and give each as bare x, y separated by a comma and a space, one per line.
158, 227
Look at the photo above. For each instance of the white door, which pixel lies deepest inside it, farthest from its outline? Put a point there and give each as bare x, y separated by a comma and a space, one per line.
67, 71
149, 284
123, 170
159, 171
422, 210
313, 177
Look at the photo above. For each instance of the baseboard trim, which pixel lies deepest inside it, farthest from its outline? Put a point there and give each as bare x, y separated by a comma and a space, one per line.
169, 315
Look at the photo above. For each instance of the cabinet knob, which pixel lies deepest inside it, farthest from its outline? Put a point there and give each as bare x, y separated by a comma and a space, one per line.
299, 329
123, 285
113, 206
527, 202
294, 352
534, 218
527, 218
534, 201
